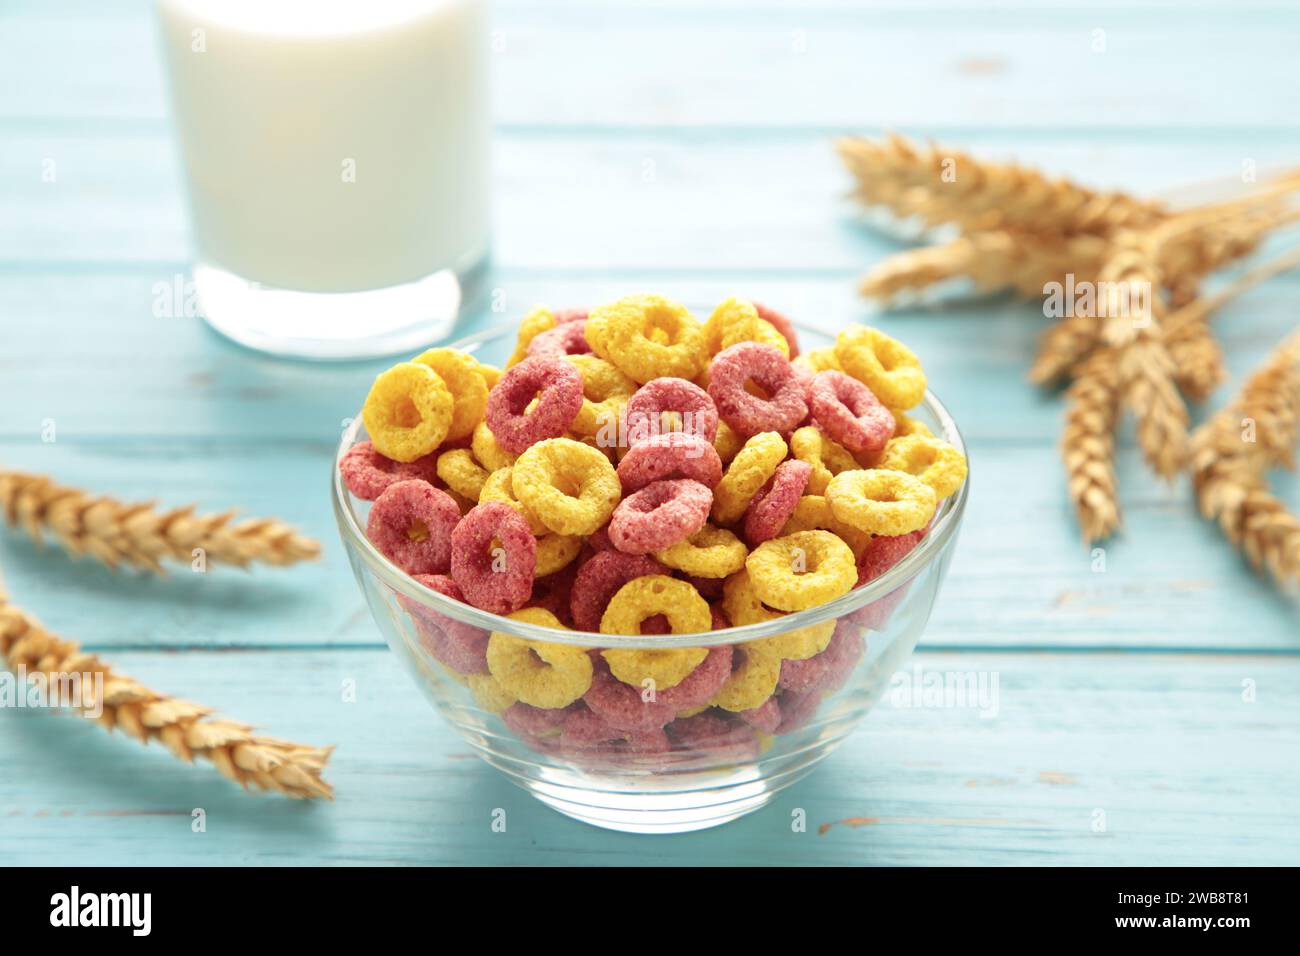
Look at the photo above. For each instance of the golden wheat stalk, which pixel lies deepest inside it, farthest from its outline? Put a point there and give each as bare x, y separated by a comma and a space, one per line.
1232, 453
941, 185
1088, 444
137, 535
187, 730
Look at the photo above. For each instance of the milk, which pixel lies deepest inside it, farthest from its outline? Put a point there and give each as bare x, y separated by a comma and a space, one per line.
332, 145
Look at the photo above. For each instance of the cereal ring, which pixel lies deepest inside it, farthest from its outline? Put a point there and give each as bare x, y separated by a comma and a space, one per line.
585, 731
653, 670
573, 314
690, 406
625, 705
553, 592
828, 458
826, 672
407, 412
818, 360
709, 553
783, 325
643, 597
460, 646
765, 717
776, 501
605, 393
556, 551
935, 462
801, 570
756, 462
754, 673
813, 513
599, 578
539, 320
711, 738
847, 412
748, 414
538, 673
565, 339
742, 606
883, 553
488, 694
710, 588
659, 515
412, 524
624, 330
489, 454
494, 578
667, 456
489, 373
906, 425
366, 473
557, 387
570, 486
462, 473
529, 721
885, 365
736, 320
697, 688
882, 502
499, 486
727, 443
459, 371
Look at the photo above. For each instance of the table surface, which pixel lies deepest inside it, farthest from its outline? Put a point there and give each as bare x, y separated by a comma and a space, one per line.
680, 146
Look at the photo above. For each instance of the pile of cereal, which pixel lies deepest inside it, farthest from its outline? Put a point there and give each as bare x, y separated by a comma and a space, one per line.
633, 471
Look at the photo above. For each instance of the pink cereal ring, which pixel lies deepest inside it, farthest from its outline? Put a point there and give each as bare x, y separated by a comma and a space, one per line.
670, 455
698, 687
529, 721
783, 325
461, 646
881, 554
694, 407
849, 412
660, 515
826, 671
585, 730
411, 524
764, 365
569, 315
766, 717
600, 578
566, 338
776, 501
622, 705
367, 474
715, 739
557, 386
495, 580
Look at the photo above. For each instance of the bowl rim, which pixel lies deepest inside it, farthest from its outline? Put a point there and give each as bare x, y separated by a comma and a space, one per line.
942, 529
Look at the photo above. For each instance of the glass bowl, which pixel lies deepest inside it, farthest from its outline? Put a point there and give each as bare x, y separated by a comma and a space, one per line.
699, 769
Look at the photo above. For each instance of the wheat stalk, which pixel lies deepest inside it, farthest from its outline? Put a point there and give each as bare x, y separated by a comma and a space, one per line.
940, 185
137, 535
187, 730
1088, 444
1232, 453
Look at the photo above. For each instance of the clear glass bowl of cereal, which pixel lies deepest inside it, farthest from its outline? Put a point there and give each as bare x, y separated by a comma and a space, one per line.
654, 732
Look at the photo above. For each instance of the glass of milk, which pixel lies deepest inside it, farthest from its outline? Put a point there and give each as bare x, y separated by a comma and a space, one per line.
338, 167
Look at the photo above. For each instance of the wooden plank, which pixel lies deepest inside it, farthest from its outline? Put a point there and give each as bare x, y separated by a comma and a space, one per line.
824, 68
1160, 745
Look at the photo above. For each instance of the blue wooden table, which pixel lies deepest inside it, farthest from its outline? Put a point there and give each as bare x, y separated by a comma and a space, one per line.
1147, 714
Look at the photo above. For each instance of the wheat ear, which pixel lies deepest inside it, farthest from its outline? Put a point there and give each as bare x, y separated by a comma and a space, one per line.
1088, 444
136, 535
187, 730
1232, 453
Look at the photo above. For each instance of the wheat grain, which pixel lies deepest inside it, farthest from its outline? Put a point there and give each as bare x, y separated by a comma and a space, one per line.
1088, 444
136, 535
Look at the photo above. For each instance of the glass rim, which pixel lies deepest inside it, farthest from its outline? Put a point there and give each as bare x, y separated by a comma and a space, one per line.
942, 528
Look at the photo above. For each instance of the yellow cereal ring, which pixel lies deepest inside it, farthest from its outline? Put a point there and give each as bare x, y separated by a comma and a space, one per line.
407, 412
727, 443
536, 672
736, 320
906, 425
709, 553
571, 487
827, 457
490, 374
663, 668
539, 320
885, 365
754, 673
692, 711
817, 360
652, 594
882, 502
556, 551
461, 473
469, 392
499, 486
490, 455
801, 570
752, 466
605, 391
742, 606
813, 512
488, 694
937, 463
648, 337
